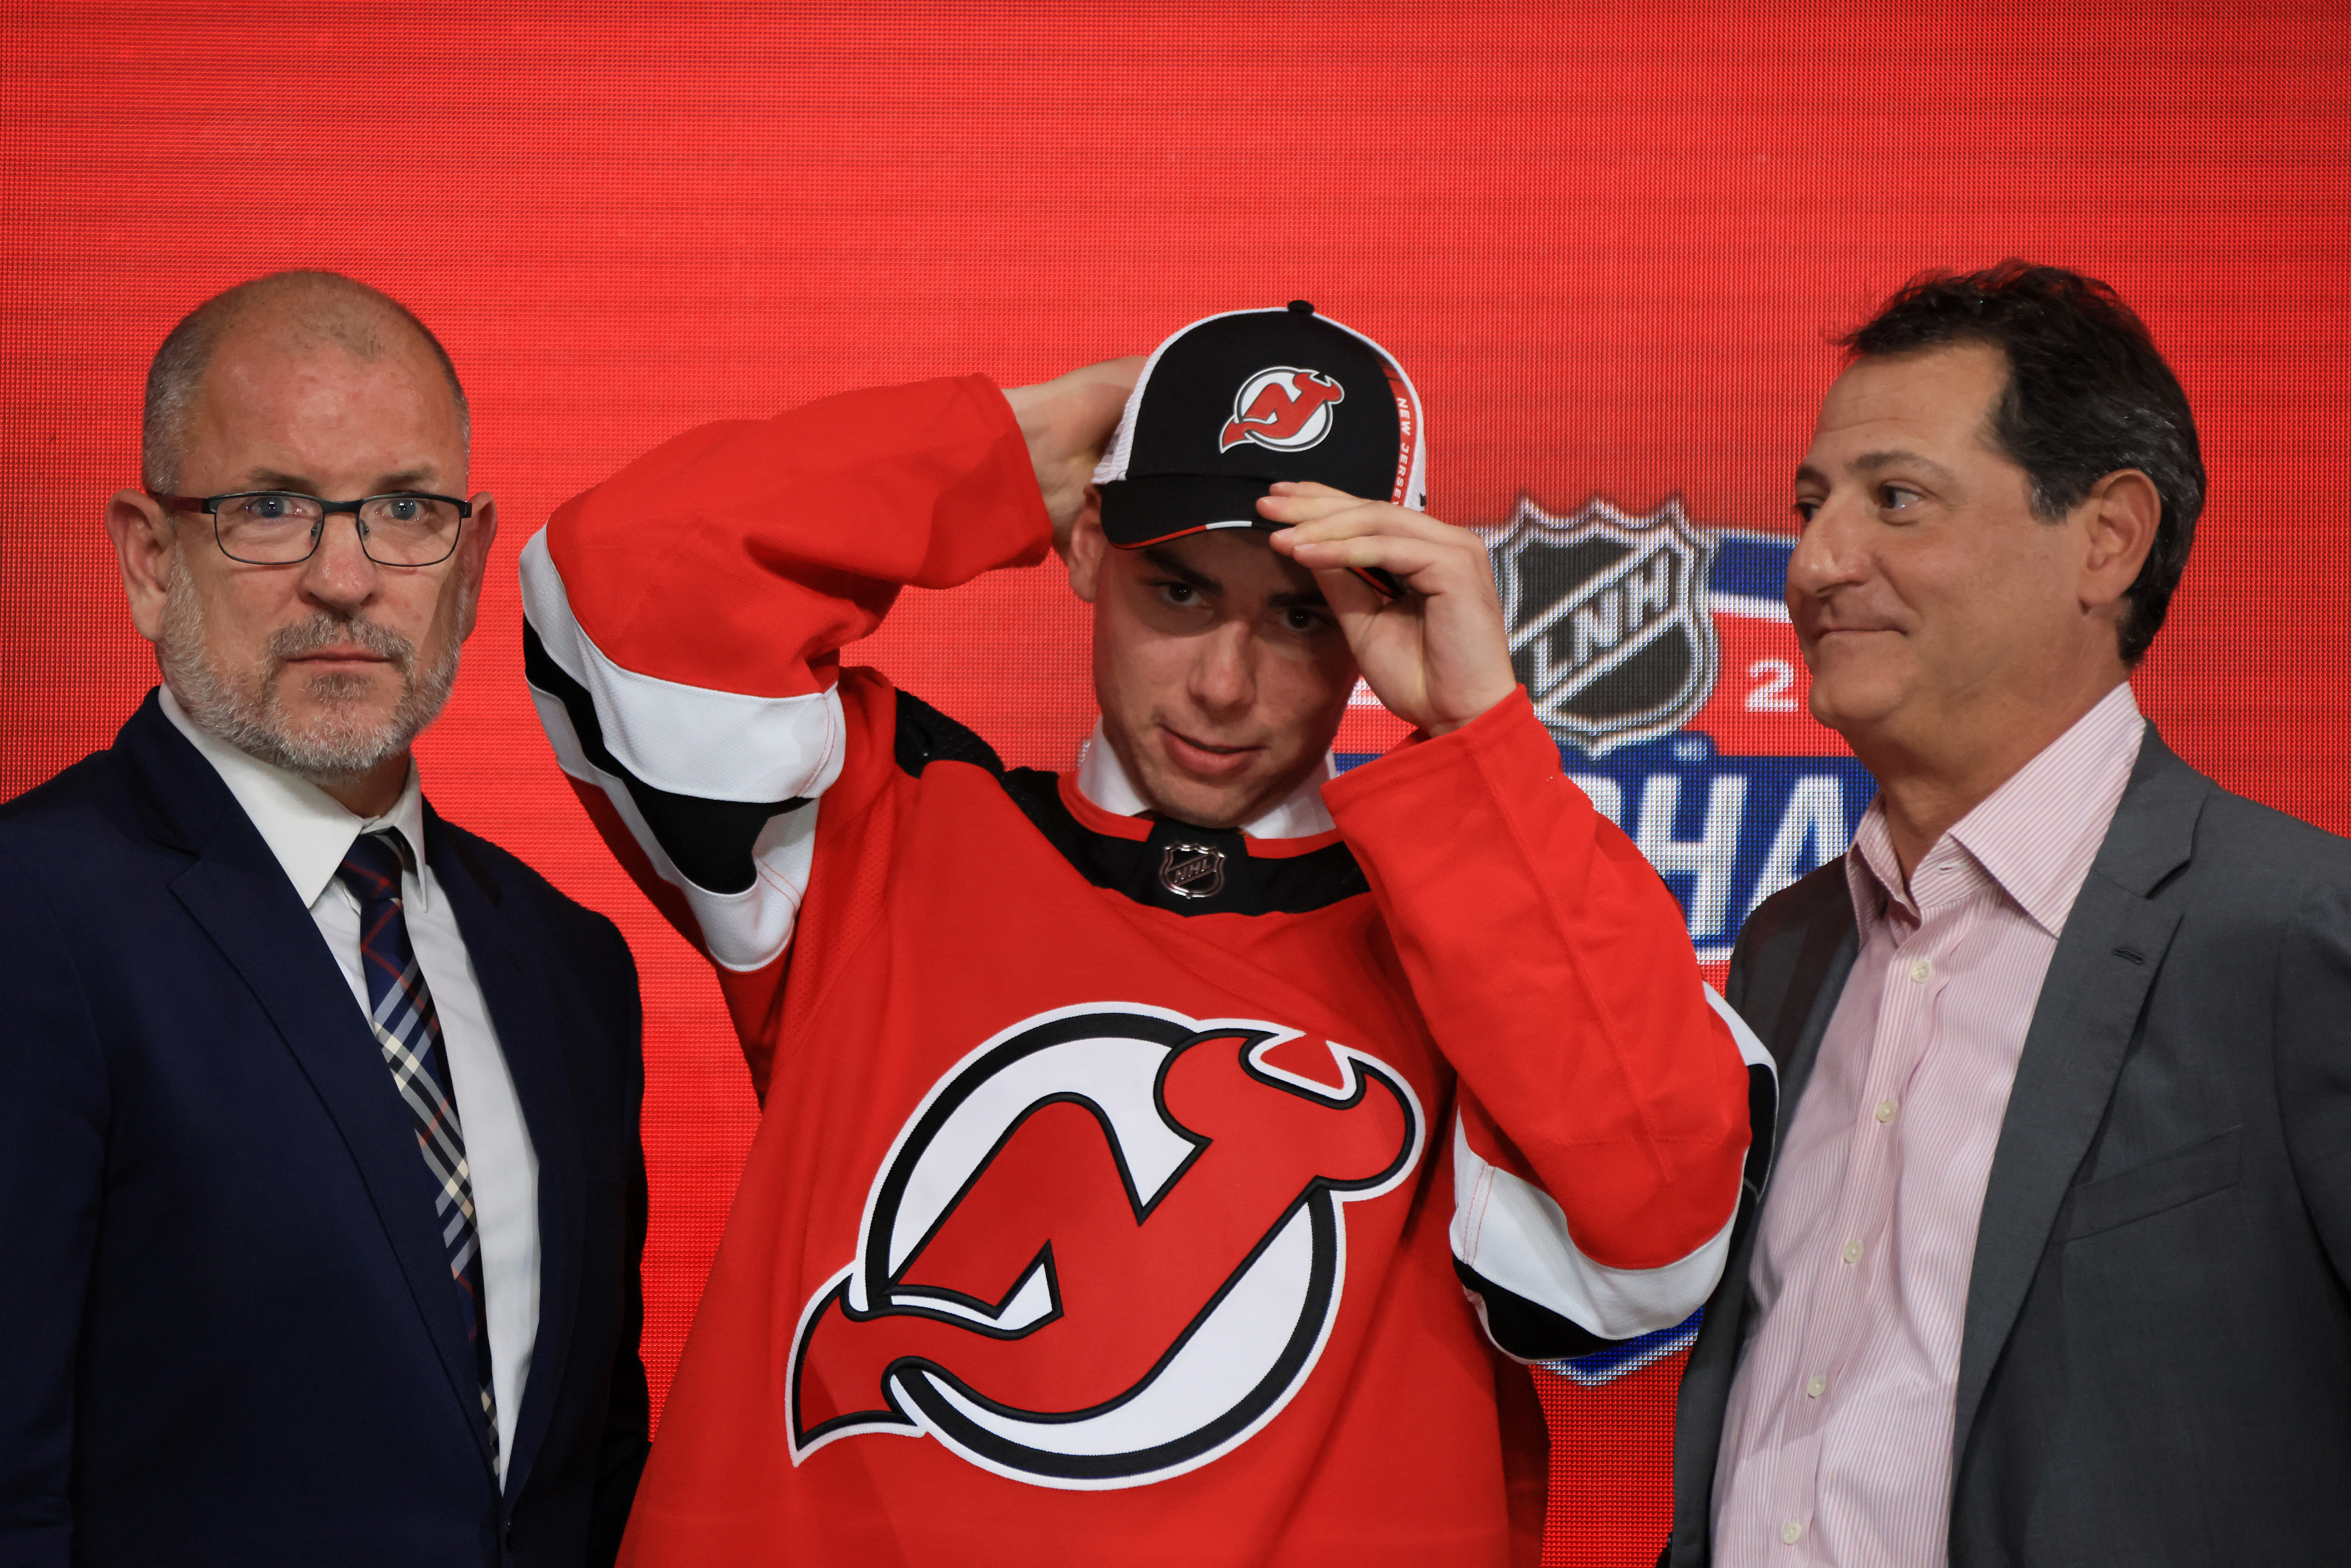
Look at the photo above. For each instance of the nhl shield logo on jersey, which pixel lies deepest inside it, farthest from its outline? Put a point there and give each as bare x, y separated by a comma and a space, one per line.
1281, 407
1105, 1249
1609, 627
1191, 871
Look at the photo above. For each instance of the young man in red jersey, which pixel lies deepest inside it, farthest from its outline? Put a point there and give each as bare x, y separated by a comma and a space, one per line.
1145, 1147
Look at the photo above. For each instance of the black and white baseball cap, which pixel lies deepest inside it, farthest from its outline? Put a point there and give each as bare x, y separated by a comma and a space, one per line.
1233, 402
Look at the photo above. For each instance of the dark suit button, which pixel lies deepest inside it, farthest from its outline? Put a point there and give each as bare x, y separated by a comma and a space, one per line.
510, 1535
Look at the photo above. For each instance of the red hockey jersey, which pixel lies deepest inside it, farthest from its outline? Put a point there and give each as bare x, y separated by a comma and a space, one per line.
1126, 1192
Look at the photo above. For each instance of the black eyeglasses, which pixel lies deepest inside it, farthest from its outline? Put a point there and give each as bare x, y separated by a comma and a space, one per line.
279, 528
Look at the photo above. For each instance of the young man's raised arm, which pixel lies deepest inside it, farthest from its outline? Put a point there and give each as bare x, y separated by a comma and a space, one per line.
1604, 1120
684, 619
1604, 1111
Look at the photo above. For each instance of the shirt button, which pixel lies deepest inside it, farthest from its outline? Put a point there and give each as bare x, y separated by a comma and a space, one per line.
1792, 1531
1852, 1253
1921, 971
1886, 1109
1815, 1386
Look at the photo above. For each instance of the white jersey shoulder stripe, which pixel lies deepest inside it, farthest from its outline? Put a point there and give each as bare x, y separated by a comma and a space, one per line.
1513, 1234
745, 931
682, 739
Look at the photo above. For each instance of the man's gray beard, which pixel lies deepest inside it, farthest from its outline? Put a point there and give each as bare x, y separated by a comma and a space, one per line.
337, 747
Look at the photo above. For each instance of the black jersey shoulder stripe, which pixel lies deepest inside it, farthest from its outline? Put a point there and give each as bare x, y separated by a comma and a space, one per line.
1292, 884
1525, 1329
1532, 1332
925, 735
709, 841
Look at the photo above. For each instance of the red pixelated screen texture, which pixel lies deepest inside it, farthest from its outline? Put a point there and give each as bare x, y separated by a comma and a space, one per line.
1605, 240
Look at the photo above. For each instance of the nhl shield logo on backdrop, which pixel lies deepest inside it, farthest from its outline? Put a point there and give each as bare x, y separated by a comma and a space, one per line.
1610, 630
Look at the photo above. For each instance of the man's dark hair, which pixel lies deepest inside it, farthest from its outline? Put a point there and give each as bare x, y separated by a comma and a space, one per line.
2087, 395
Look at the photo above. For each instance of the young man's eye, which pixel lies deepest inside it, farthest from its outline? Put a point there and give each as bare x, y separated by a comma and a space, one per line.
1896, 498
1805, 508
1179, 593
1304, 621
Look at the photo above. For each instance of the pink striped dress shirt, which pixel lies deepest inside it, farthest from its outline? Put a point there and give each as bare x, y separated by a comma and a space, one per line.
1836, 1446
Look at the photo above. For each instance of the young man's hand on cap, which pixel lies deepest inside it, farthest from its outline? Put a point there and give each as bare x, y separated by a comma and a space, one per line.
1068, 422
1438, 656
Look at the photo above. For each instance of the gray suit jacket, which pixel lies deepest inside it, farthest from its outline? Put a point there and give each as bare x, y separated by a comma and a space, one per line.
2156, 1359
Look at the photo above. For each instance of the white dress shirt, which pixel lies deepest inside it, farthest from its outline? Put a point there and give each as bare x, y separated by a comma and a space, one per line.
309, 832
1300, 814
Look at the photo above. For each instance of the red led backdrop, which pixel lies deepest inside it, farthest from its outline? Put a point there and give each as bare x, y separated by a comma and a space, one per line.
1605, 240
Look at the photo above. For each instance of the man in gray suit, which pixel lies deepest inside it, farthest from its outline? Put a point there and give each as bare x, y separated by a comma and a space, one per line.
2052, 1264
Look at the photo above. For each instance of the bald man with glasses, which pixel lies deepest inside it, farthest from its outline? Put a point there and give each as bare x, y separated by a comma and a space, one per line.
319, 1152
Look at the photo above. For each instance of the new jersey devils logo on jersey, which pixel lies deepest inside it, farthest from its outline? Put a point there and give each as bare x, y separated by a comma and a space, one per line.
1283, 407
1106, 1249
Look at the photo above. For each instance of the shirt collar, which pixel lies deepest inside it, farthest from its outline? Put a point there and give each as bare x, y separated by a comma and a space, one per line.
307, 828
2034, 837
1300, 814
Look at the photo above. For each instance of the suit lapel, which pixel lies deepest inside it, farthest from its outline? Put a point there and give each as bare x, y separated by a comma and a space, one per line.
1792, 970
518, 991
238, 893
2106, 962
1800, 1017
1790, 992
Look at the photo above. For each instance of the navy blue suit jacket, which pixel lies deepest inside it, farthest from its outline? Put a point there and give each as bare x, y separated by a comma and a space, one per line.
227, 1332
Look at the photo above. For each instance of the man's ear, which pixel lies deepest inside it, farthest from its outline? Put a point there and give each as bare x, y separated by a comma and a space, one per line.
479, 532
2122, 512
1086, 548
144, 535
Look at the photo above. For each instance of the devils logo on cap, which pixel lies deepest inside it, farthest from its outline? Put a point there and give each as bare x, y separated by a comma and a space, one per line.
1283, 407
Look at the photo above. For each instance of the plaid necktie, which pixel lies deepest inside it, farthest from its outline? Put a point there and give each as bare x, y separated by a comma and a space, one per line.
400, 1008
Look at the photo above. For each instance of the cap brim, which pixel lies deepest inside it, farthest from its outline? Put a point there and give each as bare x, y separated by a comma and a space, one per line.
1139, 512
1145, 509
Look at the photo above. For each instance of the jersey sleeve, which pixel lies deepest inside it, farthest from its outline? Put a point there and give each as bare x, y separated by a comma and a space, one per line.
1603, 1111
683, 622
